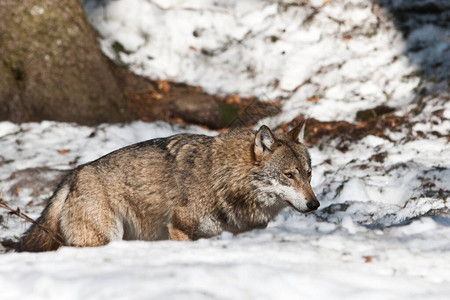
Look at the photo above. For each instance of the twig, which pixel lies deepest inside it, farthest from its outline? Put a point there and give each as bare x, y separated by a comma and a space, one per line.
55, 236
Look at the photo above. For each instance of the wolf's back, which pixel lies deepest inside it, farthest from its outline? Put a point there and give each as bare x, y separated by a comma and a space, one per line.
36, 239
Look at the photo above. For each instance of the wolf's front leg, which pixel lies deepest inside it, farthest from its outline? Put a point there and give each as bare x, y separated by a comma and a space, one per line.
176, 234
182, 225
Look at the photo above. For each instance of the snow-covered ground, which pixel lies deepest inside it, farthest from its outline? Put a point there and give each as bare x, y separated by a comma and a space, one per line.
383, 228
344, 54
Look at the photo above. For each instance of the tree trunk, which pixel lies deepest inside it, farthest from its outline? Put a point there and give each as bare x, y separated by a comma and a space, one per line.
51, 66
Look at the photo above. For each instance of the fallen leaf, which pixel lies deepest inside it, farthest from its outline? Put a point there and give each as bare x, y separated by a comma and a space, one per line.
367, 259
234, 99
164, 86
63, 151
157, 96
326, 2
312, 99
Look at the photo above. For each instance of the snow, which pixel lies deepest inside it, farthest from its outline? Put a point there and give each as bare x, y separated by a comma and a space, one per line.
344, 52
306, 263
380, 237
382, 231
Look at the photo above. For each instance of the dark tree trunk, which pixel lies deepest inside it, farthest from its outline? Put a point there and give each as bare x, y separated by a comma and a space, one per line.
51, 66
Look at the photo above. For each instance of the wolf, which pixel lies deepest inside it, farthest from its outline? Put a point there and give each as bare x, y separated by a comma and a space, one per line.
184, 187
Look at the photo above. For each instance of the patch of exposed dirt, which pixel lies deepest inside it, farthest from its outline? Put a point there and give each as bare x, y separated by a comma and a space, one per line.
318, 132
180, 103
40, 180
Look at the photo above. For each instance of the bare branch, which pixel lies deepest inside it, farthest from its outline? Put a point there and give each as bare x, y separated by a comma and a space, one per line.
55, 236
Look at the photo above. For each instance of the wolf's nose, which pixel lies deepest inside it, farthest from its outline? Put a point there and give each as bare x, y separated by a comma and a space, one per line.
313, 204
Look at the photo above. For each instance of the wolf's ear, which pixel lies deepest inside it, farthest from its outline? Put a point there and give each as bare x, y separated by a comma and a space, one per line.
298, 132
264, 142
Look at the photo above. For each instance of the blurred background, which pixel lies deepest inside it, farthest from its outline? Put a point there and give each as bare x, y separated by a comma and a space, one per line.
204, 62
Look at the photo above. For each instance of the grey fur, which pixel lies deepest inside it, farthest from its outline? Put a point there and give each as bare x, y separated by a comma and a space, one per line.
183, 187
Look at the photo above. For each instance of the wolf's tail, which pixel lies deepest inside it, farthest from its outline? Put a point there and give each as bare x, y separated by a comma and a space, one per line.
45, 234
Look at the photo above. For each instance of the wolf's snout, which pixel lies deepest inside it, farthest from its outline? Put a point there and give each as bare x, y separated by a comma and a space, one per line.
313, 204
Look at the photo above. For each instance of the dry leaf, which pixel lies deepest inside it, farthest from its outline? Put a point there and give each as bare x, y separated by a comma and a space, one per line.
157, 96
312, 99
164, 86
63, 151
234, 99
326, 2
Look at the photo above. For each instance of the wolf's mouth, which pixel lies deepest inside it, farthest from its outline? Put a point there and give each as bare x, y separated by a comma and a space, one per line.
295, 208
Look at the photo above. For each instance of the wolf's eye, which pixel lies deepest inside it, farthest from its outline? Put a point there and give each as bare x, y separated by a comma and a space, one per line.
289, 175
309, 173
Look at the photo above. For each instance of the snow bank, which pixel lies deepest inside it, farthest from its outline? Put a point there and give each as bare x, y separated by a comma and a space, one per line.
382, 230
244, 269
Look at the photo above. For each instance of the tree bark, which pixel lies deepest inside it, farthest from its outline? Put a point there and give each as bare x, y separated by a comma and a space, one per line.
51, 66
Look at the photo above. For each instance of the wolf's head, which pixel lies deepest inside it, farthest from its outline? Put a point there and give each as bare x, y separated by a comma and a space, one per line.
282, 172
